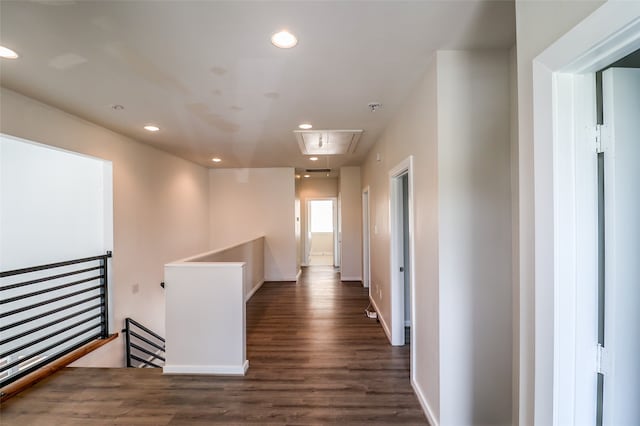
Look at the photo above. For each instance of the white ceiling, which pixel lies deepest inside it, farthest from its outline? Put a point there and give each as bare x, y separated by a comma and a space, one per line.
207, 74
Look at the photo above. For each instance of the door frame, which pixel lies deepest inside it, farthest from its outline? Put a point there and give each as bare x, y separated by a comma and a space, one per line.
307, 242
556, 323
366, 238
396, 237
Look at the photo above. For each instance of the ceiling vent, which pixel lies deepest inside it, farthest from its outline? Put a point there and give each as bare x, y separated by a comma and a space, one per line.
318, 170
328, 142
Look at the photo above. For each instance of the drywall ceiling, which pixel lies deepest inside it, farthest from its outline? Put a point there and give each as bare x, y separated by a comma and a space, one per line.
206, 73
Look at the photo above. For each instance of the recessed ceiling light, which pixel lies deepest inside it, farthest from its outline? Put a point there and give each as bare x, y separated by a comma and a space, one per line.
151, 128
284, 39
297, 176
305, 126
313, 158
7, 53
307, 176
216, 159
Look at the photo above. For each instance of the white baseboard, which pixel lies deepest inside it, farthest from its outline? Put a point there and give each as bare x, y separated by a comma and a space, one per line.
424, 404
343, 278
299, 273
381, 319
222, 370
253, 291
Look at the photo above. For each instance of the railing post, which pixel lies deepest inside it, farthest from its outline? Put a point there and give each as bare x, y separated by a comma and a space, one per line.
105, 295
127, 337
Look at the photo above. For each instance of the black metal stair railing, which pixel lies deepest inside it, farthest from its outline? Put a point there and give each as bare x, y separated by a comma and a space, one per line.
48, 311
144, 348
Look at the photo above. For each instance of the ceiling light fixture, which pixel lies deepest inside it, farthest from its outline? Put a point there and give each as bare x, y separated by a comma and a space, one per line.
307, 176
151, 128
313, 158
216, 159
7, 53
284, 40
305, 126
297, 176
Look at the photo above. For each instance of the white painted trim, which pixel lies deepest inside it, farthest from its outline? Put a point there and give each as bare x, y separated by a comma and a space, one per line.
306, 251
366, 238
351, 279
220, 265
220, 250
222, 370
299, 273
407, 323
253, 291
428, 412
608, 34
397, 288
381, 319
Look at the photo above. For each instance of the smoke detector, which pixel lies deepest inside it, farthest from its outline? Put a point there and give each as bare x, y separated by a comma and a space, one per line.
374, 106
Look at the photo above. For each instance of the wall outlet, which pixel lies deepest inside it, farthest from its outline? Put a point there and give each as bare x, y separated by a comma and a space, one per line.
135, 288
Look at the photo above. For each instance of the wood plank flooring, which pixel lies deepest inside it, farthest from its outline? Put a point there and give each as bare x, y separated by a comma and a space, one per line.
314, 358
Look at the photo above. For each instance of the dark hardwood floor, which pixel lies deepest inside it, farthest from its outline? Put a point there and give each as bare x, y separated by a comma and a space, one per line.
314, 358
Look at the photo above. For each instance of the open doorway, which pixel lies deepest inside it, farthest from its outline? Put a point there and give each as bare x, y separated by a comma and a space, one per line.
586, 295
320, 244
402, 277
618, 380
366, 251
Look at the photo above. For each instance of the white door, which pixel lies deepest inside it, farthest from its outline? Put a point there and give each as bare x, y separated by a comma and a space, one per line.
621, 139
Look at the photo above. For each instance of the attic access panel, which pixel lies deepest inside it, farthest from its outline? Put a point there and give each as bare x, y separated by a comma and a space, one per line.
327, 142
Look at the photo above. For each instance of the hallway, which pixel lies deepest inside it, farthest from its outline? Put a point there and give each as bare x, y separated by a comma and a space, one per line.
313, 358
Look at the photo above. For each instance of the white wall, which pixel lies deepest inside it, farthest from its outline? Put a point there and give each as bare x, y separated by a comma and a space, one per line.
412, 132
538, 25
351, 222
244, 203
322, 243
250, 252
160, 208
211, 288
206, 323
457, 126
474, 237
307, 189
54, 205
